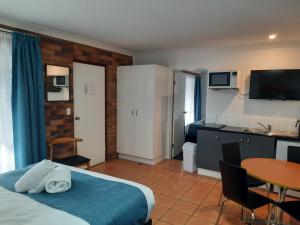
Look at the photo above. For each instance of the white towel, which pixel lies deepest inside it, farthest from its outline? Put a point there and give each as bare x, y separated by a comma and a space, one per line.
34, 176
60, 181
41, 186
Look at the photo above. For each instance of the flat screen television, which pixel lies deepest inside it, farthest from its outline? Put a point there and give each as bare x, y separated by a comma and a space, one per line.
275, 84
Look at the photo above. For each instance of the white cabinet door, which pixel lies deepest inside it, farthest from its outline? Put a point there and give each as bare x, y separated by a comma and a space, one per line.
125, 110
144, 111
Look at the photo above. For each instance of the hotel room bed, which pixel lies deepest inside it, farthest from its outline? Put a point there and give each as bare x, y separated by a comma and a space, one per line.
94, 199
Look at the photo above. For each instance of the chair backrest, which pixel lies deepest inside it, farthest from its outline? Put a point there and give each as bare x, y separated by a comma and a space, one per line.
64, 140
234, 182
231, 153
293, 154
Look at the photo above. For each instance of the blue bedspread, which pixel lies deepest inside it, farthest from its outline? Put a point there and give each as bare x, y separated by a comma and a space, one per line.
95, 200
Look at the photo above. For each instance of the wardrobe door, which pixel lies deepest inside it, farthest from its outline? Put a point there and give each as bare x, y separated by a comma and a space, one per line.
144, 111
125, 110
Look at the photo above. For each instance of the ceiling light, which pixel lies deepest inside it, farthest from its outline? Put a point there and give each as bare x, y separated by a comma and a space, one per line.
272, 36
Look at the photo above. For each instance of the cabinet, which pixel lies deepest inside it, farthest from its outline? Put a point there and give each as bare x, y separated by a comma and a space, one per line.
143, 112
209, 147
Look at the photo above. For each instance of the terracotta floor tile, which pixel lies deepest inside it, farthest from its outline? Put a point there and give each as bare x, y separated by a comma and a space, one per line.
185, 207
175, 218
196, 221
158, 211
175, 192
206, 214
166, 201
193, 197
160, 223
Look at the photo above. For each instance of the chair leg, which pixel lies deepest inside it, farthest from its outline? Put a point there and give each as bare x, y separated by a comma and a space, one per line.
270, 216
252, 218
221, 196
244, 215
220, 211
268, 195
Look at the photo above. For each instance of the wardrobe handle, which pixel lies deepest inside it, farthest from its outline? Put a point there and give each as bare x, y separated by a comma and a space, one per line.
241, 140
248, 140
132, 112
136, 112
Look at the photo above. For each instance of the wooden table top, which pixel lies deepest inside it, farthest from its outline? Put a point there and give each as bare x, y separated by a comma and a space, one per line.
282, 173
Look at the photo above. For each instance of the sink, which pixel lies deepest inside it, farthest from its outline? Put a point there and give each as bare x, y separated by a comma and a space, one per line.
255, 130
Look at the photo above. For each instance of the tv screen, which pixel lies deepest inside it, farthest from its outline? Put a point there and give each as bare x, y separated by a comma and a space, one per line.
275, 84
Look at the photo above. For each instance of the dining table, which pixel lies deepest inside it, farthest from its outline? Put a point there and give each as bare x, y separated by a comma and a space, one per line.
283, 174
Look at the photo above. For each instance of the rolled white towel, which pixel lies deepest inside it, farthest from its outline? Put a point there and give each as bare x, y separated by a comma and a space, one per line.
34, 175
60, 181
41, 186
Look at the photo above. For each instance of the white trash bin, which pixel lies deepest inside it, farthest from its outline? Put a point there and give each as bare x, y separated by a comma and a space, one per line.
189, 156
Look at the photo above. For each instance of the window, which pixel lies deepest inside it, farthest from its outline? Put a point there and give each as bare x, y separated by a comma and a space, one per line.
189, 100
6, 130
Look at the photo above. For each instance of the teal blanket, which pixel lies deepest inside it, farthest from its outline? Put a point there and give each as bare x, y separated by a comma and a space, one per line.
95, 200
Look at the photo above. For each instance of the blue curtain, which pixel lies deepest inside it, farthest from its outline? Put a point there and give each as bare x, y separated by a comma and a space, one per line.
197, 99
27, 100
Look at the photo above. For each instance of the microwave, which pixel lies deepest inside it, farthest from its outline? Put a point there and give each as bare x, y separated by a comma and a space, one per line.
220, 80
61, 81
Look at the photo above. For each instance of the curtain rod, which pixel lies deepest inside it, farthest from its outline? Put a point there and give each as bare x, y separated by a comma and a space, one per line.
10, 31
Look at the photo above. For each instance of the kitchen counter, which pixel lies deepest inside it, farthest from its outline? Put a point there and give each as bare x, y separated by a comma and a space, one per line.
279, 135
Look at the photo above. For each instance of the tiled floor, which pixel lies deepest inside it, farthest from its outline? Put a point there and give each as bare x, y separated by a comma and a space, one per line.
181, 197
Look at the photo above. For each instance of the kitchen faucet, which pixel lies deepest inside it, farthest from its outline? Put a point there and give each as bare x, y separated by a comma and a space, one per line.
268, 127
298, 125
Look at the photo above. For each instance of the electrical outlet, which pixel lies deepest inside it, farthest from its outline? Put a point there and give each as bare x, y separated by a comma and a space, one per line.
68, 111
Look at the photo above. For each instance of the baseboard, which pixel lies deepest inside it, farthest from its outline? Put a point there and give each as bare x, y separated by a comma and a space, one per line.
141, 160
209, 173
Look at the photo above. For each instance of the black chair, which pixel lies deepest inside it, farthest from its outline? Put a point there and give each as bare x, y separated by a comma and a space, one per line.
235, 188
291, 207
232, 154
293, 154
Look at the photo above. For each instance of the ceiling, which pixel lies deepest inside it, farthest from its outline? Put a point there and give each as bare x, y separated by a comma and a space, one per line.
158, 24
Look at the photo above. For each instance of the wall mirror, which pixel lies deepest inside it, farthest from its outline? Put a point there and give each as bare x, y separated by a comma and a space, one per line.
57, 83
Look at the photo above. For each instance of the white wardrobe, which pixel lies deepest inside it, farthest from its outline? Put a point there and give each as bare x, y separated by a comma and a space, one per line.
144, 102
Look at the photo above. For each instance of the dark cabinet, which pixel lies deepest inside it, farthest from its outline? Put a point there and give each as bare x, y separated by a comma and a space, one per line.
209, 147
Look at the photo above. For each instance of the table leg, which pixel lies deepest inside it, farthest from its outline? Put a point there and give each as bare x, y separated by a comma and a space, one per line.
280, 198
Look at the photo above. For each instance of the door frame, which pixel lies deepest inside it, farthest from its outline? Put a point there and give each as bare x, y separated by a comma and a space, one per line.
105, 94
189, 72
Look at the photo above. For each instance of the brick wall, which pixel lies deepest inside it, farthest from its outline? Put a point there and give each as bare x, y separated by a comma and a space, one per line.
64, 53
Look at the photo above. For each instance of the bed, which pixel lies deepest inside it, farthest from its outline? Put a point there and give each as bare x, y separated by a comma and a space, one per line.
94, 199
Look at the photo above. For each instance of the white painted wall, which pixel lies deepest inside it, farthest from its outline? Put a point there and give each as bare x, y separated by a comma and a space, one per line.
226, 106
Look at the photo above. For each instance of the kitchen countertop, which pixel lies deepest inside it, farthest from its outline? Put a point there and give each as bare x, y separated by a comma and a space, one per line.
279, 135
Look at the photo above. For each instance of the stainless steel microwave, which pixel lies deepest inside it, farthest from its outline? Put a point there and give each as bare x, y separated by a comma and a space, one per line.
220, 80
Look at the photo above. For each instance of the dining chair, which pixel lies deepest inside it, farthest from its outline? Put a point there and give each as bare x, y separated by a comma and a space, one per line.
235, 188
232, 154
73, 160
291, 207
293, 154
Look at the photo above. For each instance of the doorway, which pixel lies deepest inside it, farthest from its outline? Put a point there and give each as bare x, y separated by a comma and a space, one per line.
189, 103
89, 110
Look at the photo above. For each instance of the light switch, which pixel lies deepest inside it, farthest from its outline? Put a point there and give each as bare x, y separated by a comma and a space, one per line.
68, 111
